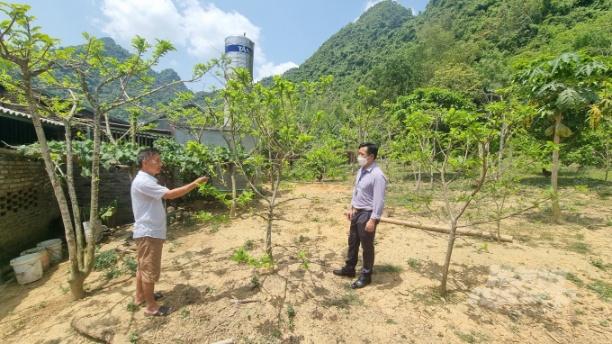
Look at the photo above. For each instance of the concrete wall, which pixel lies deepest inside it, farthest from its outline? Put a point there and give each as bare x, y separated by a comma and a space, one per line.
27, 205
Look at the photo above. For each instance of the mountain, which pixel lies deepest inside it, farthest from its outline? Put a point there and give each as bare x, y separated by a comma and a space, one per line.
466, 45
354, 50
112, 49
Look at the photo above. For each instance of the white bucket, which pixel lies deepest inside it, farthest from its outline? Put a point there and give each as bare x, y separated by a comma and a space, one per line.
44, 256
54, 246
27, 268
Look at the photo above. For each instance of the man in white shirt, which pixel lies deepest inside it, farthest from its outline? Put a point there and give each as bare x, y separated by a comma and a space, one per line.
150, 226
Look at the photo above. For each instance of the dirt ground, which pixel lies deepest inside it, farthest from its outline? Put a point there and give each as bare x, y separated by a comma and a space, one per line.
538, 289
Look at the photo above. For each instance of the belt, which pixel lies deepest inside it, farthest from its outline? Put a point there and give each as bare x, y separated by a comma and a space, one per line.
361, 210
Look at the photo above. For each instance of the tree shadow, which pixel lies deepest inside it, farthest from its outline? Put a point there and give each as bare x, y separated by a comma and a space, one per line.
386, 277
545, 216
461, 277
588, 222
566, 179
182, 295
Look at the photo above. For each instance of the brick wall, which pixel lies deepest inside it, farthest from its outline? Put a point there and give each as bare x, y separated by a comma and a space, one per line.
27, 204
114, 186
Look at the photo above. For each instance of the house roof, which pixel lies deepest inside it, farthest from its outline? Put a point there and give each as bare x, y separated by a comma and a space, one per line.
6, 112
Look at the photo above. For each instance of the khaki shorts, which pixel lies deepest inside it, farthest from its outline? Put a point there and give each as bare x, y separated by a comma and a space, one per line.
149, 258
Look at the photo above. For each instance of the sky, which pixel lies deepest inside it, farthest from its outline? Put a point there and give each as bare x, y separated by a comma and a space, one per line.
285, 32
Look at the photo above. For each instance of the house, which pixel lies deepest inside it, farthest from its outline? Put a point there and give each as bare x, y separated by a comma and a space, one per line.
28, 209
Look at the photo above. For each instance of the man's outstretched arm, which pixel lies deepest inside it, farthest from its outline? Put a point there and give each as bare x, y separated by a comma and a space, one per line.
185, 189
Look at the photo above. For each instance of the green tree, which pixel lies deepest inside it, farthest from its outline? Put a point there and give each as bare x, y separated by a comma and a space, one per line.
30, 54
34, 62
563, 89
273, 112
455, 142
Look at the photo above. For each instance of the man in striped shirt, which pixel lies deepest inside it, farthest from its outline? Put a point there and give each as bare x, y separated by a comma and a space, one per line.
365, 212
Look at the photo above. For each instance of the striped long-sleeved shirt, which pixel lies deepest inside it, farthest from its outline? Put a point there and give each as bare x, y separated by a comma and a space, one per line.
369, 191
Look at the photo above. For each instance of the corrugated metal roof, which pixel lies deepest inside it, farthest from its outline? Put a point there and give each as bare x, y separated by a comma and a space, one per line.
25, 115
115, 127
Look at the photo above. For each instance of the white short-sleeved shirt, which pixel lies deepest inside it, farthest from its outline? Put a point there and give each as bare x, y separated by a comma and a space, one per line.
148, 208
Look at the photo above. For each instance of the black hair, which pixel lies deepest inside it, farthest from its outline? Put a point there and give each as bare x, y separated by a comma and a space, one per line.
371, 148
146, 154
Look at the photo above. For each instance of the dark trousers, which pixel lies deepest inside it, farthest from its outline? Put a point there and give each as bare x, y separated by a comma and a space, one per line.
357, 236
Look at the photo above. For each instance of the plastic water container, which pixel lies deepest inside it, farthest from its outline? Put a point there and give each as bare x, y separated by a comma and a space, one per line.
54, 246
44, 256
28, 268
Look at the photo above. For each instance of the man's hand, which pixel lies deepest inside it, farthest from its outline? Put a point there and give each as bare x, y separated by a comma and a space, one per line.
200, 181
349, 214
371, 226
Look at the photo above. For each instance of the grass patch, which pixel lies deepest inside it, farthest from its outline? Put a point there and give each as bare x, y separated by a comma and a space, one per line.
291, 313
255, 282
414, 263
215, 221
390, 268
472, 337
578, 247
112, 273
133, 337
105, 260
130, 265
132, 307
302, 256
548, 236
345, 301
301, 239
598, 263
573, 278
601, 288
249, 245
241, 256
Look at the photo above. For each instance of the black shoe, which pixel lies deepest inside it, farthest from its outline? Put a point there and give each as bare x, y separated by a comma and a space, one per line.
362, 281
345, 272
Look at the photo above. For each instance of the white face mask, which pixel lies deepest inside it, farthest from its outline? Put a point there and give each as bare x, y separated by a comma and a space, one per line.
361, 161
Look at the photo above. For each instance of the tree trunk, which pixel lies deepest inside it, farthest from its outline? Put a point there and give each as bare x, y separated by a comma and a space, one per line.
269, 231
109, 133
275, 183
73, 196
447, 259
76, 282
55, 183
431, 178
607, 160
418, 183
95, 190
500, 153
133, 124
556, 210
234, 191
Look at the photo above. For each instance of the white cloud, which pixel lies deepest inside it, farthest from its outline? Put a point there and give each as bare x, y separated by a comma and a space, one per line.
198, 28
269, 69
150, 19
371, 3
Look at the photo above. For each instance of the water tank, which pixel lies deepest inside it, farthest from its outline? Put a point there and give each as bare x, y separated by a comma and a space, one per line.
239, 50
